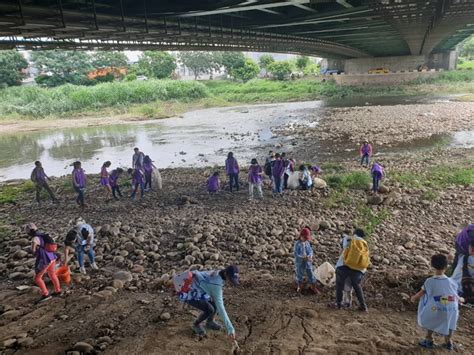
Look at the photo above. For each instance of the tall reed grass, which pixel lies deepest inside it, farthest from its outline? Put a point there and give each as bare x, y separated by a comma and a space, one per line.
39, 102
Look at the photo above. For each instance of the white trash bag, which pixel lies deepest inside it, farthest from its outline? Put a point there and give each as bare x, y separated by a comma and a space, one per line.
326, 274
293, 181
319, 183
156, 179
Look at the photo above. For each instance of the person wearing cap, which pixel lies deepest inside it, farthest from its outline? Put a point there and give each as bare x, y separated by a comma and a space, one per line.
304, 260
79, 182
137, 159
40, 179
206, 294
45, 261
81, 240
365, 152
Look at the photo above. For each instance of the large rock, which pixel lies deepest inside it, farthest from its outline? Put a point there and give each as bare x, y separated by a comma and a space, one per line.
374, 200
123, 276
83, 347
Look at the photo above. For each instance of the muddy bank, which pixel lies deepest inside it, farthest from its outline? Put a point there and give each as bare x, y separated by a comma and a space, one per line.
126, 306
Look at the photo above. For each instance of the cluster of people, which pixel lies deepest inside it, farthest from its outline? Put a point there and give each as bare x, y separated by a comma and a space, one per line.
79, 240
277, 168
437, 313
140, 174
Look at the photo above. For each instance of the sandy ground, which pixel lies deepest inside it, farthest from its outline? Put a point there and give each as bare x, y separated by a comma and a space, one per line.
10, 127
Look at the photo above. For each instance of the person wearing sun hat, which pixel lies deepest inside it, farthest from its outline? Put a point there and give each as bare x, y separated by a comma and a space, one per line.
304, 260
206, 294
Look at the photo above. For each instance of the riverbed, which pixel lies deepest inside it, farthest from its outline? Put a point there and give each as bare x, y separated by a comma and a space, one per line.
315, 130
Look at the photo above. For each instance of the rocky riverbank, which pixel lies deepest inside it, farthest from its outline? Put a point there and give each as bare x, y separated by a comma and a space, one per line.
126, 305
385, 125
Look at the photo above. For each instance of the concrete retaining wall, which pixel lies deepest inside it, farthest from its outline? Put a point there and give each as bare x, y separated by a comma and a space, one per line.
381, 79
445, 61
394, 64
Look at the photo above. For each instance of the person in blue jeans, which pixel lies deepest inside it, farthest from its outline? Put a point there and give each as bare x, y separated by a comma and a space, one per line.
304, 261
81, 240
232, 170
206, 294
343, 272
278, 170
378, 174
137, 182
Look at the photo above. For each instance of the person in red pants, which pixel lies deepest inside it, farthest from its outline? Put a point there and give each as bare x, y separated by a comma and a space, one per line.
45, 262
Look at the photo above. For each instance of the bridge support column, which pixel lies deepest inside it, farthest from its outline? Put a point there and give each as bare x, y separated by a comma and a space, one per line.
443, 60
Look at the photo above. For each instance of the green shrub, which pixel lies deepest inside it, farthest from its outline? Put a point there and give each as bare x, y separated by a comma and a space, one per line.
356, 180
38, 102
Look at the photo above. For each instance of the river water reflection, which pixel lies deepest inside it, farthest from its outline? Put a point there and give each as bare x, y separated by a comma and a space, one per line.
199, 138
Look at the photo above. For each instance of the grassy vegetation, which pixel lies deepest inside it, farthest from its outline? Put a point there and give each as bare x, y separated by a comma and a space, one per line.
436, 178
11, 193
164, 98
466, 64
368, 218
38, 102
356, 180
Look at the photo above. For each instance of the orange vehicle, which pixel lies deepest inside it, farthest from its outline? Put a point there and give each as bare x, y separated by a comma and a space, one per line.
116, 72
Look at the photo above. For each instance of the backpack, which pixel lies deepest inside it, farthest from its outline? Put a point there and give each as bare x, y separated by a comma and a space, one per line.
268, 168
467, 282
49, 243
182, 282
356, 255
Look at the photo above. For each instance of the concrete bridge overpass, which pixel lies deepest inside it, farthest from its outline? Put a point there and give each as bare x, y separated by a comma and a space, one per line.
338, 29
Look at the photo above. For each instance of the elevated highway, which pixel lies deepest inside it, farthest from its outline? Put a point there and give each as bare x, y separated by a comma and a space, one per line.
339, 29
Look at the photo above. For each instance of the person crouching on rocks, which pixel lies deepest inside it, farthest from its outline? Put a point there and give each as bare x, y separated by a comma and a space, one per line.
378, 174
81, 240
137, 182
206, 294
352, 264
42, 247
304, 178
213, 183
304, 261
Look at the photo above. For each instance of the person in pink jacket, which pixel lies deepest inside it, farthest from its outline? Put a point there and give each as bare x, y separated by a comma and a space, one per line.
365, 152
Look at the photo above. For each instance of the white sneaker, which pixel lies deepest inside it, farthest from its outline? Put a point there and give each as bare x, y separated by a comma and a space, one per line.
94, 266
82, 270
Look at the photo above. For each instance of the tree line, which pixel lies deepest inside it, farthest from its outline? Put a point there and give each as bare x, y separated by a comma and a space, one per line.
58, 67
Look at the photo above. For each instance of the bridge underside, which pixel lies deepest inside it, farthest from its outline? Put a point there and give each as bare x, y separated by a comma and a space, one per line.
329, 28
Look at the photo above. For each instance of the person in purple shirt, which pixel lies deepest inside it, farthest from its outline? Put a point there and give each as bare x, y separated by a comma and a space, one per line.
114, 184
213, 183
232, 171
148, 169
255, 179
39, 177
278, 170
79, 182
377, 175
137, 181
105, 179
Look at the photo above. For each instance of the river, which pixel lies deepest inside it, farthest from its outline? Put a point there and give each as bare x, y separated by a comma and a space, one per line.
198, 138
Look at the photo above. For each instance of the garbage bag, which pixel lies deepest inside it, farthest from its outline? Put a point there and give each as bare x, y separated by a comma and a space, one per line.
326, 274
156, 179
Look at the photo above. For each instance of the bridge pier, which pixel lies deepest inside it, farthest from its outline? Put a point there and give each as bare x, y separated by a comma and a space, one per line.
443, 60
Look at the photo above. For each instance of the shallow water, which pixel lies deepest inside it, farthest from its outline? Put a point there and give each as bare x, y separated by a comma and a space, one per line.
199, 138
